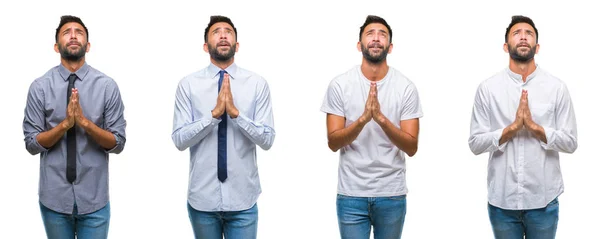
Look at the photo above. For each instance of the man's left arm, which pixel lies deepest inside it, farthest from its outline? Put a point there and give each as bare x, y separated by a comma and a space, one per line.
112, 137
260, 129
563, 138
406, 138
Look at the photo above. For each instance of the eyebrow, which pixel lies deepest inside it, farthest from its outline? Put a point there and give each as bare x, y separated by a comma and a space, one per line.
219, 28
379, 30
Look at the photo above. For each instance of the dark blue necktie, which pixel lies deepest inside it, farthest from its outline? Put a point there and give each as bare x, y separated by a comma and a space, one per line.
71, 139
222, 148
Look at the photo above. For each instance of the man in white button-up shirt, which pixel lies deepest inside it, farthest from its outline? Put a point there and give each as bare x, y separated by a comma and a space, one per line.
523, 117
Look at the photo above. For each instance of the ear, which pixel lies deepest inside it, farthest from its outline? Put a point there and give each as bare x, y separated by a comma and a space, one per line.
237, 46
56, 48
537, 48
205, 47
505, 47
88, 47
358, 47
391, 47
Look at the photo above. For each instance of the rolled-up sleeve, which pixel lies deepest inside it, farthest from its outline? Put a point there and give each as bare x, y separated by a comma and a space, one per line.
114, 118
34, 120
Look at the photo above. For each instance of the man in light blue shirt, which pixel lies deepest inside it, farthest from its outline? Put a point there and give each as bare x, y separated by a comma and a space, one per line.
221, 113
74, 119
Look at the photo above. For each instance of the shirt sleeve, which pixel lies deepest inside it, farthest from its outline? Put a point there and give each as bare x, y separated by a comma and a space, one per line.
411, 105
34, 120
260, 130
113, 116
333, 102
187, 130
482, 138
563, 138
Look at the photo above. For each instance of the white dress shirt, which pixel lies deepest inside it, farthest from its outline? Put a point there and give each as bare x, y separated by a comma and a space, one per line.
524, 172
194, 127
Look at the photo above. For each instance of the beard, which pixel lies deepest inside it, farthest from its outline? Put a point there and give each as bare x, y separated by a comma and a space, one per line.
372, 58
218, 56
69, 55
518, 56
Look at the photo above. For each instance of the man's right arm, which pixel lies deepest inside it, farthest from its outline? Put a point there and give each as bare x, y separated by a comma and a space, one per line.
37, 139
482, 138
187, 130
338, 135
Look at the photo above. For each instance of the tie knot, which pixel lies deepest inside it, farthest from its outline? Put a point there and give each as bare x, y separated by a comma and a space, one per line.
72, 79
222, 73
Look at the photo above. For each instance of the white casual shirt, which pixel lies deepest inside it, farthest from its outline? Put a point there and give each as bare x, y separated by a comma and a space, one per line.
524, 172
372, 166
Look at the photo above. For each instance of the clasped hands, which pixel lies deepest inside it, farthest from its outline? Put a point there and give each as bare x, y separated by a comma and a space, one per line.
372, 107
225, 101
74, 112
523, 118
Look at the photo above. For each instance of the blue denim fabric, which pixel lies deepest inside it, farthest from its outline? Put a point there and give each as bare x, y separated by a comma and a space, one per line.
356, 215
228, 225
532, 224
82, 226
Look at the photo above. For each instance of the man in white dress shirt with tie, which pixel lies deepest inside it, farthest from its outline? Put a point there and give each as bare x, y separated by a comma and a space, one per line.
523, 116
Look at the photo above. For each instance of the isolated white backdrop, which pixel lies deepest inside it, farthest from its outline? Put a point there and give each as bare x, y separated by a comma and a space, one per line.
445, 47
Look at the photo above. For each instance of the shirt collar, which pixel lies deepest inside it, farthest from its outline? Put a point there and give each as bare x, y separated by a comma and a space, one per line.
519, 78
64, 73
213, 70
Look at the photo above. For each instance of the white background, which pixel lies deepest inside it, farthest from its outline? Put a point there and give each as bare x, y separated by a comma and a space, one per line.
445, 47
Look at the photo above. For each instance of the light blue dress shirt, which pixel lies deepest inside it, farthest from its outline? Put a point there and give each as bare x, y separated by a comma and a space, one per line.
195, 128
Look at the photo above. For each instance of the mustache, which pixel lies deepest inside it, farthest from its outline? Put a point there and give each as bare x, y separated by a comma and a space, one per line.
223, 43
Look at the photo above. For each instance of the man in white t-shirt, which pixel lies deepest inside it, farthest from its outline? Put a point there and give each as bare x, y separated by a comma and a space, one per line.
373, 116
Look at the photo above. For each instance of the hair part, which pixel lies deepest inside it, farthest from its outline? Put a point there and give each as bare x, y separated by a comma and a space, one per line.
520, 19
67, 19
374, 19
216, 19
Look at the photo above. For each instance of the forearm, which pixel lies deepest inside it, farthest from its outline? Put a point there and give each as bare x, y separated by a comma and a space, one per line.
187, 135
401, 139
102, 137
47, 139
260, 133
538, 132
345, 136
508, 133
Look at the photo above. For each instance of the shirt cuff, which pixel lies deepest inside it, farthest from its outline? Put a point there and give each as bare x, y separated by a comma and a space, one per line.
549, 138
496, 135
118, 142
241, 120
36, 145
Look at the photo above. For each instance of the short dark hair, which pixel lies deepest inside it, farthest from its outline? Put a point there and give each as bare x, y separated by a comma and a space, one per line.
66, 19
520, 19
216, 19
374, 19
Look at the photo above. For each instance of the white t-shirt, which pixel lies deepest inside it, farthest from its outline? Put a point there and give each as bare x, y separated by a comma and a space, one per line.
372, 166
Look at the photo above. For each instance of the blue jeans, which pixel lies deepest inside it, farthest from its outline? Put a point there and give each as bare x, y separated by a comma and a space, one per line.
231, 224
533, 224
85, 226
357, 214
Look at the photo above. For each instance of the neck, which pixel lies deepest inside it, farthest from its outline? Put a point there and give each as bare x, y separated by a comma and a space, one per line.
222, 64
72, 66
522, 68
374, 71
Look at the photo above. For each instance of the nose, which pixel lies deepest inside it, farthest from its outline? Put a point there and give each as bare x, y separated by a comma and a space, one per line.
73, 34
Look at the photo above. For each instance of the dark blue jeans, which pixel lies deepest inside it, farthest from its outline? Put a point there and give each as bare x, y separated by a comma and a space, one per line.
533, 224
356, 215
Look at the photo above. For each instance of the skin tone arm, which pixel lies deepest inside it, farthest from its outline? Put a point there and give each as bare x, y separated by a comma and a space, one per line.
339, 136
523, 119
405, 137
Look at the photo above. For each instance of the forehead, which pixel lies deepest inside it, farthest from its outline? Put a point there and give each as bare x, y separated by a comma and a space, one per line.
377, 27
521, 26
218, 25
73, 25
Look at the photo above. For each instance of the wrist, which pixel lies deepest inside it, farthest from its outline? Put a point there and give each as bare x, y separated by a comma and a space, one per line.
234, 113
